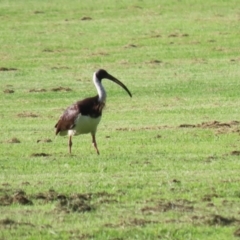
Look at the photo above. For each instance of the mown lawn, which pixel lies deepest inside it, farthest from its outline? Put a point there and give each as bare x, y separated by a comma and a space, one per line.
169, 157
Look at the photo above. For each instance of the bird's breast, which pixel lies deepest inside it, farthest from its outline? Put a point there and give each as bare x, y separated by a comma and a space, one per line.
84, 124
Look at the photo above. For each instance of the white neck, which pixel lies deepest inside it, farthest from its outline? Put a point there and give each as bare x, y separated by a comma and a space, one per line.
100, 89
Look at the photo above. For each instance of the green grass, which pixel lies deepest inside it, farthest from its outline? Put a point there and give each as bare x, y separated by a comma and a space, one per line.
153, 179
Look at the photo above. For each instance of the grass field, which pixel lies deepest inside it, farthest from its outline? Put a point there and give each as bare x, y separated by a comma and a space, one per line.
169, 157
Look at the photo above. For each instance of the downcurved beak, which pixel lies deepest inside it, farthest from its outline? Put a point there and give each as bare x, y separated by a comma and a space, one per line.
110, 77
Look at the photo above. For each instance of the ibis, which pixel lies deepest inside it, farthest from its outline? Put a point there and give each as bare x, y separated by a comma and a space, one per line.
84, 116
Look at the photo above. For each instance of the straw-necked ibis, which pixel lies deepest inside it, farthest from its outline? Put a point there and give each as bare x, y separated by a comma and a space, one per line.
84, 116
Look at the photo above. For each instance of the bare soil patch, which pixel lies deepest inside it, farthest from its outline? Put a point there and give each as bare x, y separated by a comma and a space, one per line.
130, 46
86, 18
40, 155
131, 223
140, 222
38, 12
60, 89
18, 197
75, 202
37, 90
174, 35
13, 140
176, 181
235, 153
209, 197
48, 50
156, 36
48, 196
164, 206
8, 223
46, 140
27, 115
155, 61
7, 69
235, 59
222, 221
8, 91
100, 54
232, 126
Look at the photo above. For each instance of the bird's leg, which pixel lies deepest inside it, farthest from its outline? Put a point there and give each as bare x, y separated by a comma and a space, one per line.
70, 144
94, 143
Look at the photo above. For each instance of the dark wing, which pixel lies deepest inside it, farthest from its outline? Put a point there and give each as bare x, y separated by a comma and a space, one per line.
67, 120
87, 107
91, 107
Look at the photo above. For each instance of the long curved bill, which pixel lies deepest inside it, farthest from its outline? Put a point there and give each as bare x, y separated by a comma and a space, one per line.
110, 77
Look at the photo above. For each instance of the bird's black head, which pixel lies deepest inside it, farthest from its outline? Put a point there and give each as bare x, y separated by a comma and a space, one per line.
101, 73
